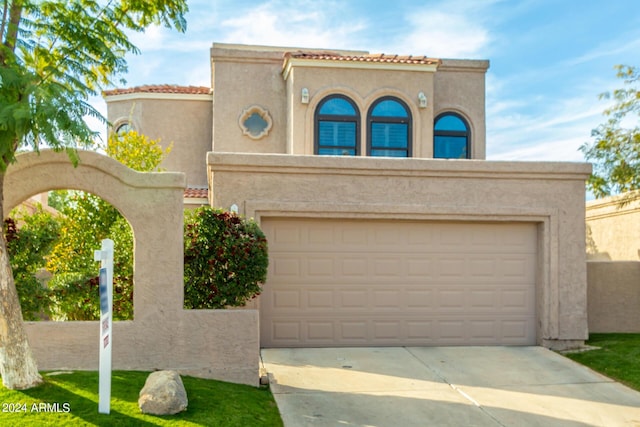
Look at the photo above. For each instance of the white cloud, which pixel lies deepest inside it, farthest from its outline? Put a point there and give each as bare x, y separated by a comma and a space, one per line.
445, 35
199, 75
554, 134
556, 150
448, 29
304, 24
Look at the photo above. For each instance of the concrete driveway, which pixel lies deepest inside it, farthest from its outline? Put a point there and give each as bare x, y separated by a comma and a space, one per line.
443, 386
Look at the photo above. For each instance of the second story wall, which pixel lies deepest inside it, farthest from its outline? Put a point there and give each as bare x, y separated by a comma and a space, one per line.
363, 84
280, 90
178, 115
242, 79
459, 87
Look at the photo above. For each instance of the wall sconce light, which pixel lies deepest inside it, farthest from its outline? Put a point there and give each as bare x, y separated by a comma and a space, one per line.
234, 209
422, 100
305, 95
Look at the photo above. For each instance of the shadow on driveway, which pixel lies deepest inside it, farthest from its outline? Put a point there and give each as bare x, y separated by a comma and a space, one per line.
444, 386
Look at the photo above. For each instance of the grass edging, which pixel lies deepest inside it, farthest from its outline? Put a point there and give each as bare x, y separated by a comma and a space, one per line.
71, 399
615, 355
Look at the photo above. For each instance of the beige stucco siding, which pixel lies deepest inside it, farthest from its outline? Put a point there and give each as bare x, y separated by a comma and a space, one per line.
614, 296
239, 82
613, 229
363, 87
183, 120
246, 76
162, 335
459, 86
550, 195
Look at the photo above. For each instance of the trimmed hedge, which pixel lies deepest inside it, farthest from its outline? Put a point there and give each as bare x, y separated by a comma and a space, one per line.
225, 259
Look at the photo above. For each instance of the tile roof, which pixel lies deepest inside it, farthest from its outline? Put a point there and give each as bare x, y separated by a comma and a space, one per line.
189, 90
196, 193
376, 57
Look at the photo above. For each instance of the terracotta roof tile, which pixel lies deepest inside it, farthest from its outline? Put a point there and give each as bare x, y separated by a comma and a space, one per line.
376, 57
196, 193
190, 90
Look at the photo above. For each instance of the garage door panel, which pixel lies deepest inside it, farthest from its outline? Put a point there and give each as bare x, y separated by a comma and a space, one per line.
438, 331
468, 299
353, 331
283, 299
516, 299
320, 299
285, 331
285, 265
342, 282
486, 299
419, 299
420, 267
353, 299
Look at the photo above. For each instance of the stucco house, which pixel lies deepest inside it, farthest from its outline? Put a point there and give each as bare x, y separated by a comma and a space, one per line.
613, 228
613, 267
367, 173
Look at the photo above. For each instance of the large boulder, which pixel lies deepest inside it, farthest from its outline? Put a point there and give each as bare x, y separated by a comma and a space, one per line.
163, 394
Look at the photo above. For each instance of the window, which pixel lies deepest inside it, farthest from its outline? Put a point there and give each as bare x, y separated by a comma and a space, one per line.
389, 124
451, 137
336, 127
123, 128
255, 122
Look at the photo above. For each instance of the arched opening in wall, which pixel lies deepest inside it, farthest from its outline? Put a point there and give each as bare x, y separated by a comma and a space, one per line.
51, 241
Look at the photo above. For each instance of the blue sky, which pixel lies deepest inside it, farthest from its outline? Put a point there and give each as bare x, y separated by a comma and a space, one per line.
550, 59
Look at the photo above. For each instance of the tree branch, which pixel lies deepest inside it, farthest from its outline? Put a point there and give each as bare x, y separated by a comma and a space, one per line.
125, 9
5, 9
15, 13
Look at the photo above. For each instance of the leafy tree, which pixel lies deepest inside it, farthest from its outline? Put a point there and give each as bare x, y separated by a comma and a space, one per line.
137, 151
54, 54
74, 292
225, 259
615, 150
86, 221
28, 247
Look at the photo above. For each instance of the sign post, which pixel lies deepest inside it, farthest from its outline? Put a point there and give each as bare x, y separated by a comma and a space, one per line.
105, 255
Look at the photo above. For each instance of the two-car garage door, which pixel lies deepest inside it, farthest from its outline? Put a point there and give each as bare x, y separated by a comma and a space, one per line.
382, 282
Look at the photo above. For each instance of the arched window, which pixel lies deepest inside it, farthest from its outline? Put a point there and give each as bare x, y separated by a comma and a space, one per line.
389, 125
123, 128
451, 137
336, 126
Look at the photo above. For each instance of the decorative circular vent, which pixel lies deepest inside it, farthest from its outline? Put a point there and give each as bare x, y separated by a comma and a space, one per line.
255, 122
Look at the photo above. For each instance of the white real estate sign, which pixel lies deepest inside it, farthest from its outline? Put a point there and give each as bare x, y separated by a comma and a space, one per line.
105, 255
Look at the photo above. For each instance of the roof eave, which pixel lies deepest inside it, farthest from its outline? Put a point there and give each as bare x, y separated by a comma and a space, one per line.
291, 62
158, 95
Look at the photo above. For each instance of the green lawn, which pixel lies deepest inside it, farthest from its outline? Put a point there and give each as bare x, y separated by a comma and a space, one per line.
617, 358
211, 403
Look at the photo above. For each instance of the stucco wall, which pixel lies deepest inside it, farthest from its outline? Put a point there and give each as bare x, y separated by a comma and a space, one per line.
614, 296
613, 229
549, 194
244, 76
213, 344
241, 79
182, 119
363, 87
460, 86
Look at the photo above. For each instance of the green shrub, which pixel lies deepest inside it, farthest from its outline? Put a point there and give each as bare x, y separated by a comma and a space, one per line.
86, 220
122, 237
225, 259
75, 294
28, 246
